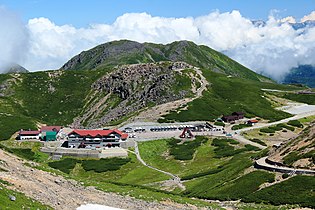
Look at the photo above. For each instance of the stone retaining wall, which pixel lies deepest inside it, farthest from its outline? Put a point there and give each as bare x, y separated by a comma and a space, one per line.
84, 153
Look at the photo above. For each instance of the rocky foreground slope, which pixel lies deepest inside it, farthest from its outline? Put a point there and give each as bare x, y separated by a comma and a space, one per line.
60, 193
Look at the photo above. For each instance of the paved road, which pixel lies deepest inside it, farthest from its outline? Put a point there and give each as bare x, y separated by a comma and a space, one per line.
175, 178
263, 164
243, 140
296, 117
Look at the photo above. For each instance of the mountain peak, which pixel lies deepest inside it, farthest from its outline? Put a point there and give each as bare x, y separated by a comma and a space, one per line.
123, 52
15, 68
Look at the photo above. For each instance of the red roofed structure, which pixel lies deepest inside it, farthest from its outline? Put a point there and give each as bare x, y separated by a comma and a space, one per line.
95, 138
23, 135
253, 121
50, 128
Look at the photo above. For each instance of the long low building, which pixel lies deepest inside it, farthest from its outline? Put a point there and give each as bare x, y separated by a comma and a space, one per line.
95, 138
28, 135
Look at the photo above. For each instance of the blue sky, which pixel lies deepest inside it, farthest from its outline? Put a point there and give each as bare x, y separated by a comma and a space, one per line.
80, 13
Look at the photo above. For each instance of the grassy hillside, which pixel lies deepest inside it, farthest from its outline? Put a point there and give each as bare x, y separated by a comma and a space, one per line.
298, 189
47, 97
228, 94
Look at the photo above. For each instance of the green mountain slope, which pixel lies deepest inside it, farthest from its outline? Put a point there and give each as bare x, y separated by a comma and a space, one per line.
129, 52
227, 94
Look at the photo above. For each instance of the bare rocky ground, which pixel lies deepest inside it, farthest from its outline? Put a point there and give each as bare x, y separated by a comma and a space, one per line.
64, 194
156, 112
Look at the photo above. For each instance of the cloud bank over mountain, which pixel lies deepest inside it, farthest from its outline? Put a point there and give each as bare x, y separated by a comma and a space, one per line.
14, 39
272, 47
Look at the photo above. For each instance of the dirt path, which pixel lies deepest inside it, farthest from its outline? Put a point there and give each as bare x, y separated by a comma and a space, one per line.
63, 194
154, 113
175, 178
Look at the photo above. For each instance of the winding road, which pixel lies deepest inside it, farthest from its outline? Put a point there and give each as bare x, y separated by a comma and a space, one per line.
262, 164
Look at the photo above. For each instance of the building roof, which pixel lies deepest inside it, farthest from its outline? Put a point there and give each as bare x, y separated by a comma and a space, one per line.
238, 113
50, 128
51, 133
124, 136
94, 133
230, 117
26, 133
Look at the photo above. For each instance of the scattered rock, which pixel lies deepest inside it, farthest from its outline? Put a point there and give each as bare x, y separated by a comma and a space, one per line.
12, 198
58, 181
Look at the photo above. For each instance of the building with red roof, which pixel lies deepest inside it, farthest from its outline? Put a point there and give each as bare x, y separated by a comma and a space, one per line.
252, 121
25, 135
51, 128
95, 138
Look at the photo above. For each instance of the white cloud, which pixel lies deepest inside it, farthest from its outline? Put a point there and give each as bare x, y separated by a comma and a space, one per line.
289, 19
272, 48
309, 17
13, 39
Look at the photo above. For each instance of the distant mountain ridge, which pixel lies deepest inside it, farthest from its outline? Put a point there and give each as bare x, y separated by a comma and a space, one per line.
304, 74
123, 52
15, 68
296, 26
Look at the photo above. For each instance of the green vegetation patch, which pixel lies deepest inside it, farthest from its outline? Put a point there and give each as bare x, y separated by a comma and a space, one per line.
258, 141
64, 165
219, 123
202, 187
279, 127
224, 148
13, 118
296, 190
26, 150
201, 174
303, 98
186, 150
240, 126
242, 186
104, 164
101, 165
295, 123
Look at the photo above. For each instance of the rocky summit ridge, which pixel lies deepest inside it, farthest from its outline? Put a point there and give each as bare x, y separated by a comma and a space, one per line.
123, 52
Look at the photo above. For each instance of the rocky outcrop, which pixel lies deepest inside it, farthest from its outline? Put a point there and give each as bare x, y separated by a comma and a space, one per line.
139, 86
